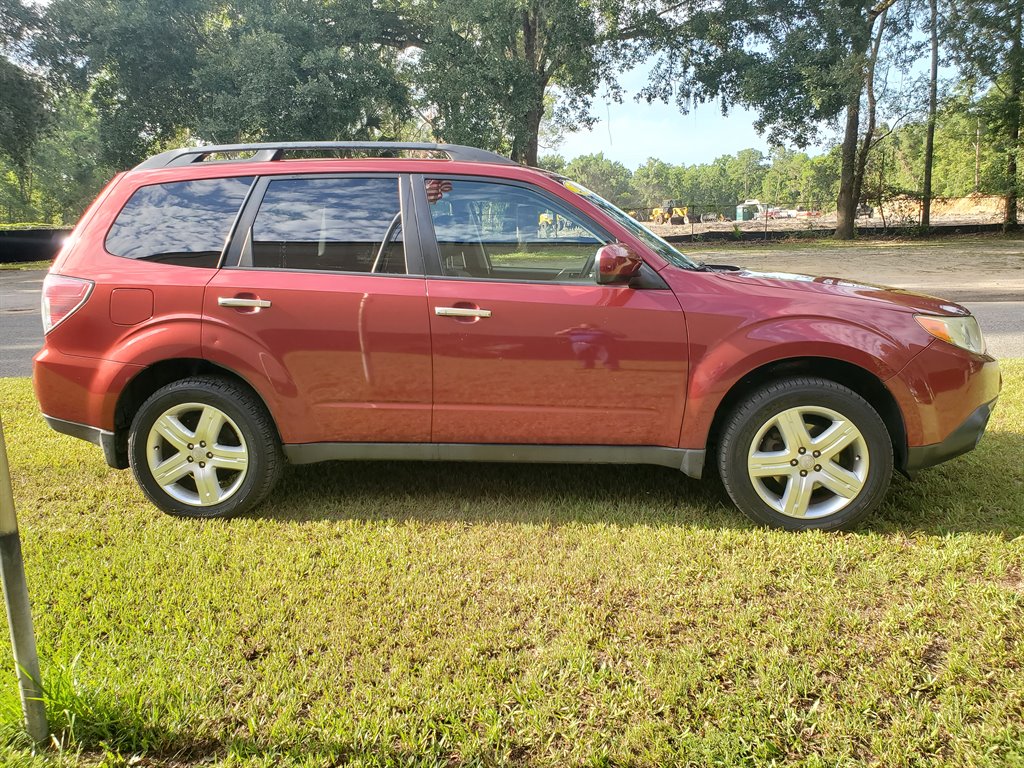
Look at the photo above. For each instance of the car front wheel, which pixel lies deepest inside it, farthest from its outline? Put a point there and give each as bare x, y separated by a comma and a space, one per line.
204, 447
805, 453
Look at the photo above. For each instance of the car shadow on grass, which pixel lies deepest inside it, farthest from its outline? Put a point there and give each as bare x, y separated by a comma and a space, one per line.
470, 492
982, 492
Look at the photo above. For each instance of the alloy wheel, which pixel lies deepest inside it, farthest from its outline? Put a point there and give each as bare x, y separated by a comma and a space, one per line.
808, 462
197, 454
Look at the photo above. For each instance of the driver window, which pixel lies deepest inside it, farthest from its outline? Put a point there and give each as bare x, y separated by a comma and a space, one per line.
328, 224
505, 232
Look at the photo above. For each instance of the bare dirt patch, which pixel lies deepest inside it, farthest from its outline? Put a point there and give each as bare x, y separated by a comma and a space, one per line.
962, 269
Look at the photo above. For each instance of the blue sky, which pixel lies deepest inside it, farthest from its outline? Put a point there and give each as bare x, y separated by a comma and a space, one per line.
632, 131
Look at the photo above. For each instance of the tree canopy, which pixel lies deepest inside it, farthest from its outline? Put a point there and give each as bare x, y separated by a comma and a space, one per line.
121, 79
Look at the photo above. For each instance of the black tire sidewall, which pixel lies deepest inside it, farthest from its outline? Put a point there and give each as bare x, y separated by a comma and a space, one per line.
756, 410
208, 392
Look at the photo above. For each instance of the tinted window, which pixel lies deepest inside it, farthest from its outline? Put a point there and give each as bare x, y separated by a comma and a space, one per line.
344, 225
500, 231
183, 222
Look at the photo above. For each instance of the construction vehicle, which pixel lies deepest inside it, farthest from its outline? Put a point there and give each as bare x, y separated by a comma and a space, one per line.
670, 212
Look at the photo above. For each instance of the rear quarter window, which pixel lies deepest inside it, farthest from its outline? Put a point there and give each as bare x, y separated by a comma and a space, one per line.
181, 222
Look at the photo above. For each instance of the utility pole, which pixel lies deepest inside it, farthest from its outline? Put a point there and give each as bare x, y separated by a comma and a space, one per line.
19, 613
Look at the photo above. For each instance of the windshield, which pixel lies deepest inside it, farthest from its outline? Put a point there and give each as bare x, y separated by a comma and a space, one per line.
655, 243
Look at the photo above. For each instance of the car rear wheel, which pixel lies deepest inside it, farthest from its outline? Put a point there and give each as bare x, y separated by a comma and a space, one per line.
805, 453
204, 447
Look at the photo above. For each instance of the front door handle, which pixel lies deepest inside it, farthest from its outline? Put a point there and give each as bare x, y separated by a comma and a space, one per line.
461, 312
225, 301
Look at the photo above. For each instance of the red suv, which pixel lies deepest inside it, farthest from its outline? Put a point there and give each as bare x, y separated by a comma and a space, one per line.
220, 310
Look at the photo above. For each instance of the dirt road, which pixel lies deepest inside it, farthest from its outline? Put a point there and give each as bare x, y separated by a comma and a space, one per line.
975, 269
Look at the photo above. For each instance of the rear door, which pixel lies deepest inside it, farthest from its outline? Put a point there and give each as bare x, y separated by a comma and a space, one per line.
322, 306
527, 347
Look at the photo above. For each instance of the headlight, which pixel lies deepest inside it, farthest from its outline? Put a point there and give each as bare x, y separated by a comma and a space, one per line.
963, 332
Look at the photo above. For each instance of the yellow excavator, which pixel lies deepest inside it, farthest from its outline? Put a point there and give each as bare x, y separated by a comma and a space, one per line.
670, 212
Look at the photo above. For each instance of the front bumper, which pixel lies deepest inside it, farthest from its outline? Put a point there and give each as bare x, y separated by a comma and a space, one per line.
961, 440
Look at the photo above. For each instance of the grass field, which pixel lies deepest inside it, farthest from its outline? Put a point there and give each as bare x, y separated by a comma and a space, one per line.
440, 614
22, 265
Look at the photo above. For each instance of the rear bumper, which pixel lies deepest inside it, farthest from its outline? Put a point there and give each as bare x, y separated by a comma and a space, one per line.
961, 440
78, 396
94, 435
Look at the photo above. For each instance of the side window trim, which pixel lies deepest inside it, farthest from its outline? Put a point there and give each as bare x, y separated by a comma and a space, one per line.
430, 255
236, 251
428, 239
243, 226
238, 219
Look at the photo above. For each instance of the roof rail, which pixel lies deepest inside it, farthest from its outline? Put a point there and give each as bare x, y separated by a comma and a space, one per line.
276, 151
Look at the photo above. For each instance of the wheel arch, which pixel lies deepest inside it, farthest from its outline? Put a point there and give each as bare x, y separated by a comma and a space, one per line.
158, 375
860, 380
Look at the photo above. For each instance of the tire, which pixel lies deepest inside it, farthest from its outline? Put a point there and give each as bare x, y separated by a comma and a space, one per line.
773, 436
229, 472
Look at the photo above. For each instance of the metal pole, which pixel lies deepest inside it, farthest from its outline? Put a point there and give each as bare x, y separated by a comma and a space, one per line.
19, 613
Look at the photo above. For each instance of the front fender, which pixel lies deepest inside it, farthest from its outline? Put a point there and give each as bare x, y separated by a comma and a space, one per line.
718, 366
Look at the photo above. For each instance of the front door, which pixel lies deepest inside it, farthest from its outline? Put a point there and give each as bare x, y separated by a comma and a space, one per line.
527, 348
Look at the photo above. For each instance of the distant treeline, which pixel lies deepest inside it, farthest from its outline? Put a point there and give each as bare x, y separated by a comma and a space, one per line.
968, 160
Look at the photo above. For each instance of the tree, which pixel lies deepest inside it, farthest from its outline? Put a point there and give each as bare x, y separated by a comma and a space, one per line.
933, 98
163, 72
611, 180
23, 100
67, 167
798, 75
986, 40
23, 112
819, 181
483, 67
783, 181
653, 183
747, 171
553, 162
134, 59
296, 70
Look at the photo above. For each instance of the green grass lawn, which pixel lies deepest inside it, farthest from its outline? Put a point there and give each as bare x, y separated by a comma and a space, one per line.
22, 265
441, 614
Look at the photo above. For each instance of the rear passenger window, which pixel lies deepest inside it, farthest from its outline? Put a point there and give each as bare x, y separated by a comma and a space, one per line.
181, 222
329, 224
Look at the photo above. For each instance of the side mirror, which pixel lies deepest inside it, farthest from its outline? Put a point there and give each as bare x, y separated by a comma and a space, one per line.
616, 263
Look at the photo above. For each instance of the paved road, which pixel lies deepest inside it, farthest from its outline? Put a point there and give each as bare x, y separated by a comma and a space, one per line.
1003, 325
21, 333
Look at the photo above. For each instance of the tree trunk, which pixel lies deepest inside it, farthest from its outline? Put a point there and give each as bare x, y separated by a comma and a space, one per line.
1013, 120
527, 145
846, 205
532, 144
851, 175
929, 139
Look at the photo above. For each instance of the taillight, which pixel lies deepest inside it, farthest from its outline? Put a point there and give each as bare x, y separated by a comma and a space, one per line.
62, 296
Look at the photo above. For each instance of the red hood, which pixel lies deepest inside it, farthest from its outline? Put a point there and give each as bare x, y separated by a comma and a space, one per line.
836, 286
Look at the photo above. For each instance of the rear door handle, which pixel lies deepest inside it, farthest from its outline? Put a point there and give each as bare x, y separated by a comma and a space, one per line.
461, 312
225, 301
